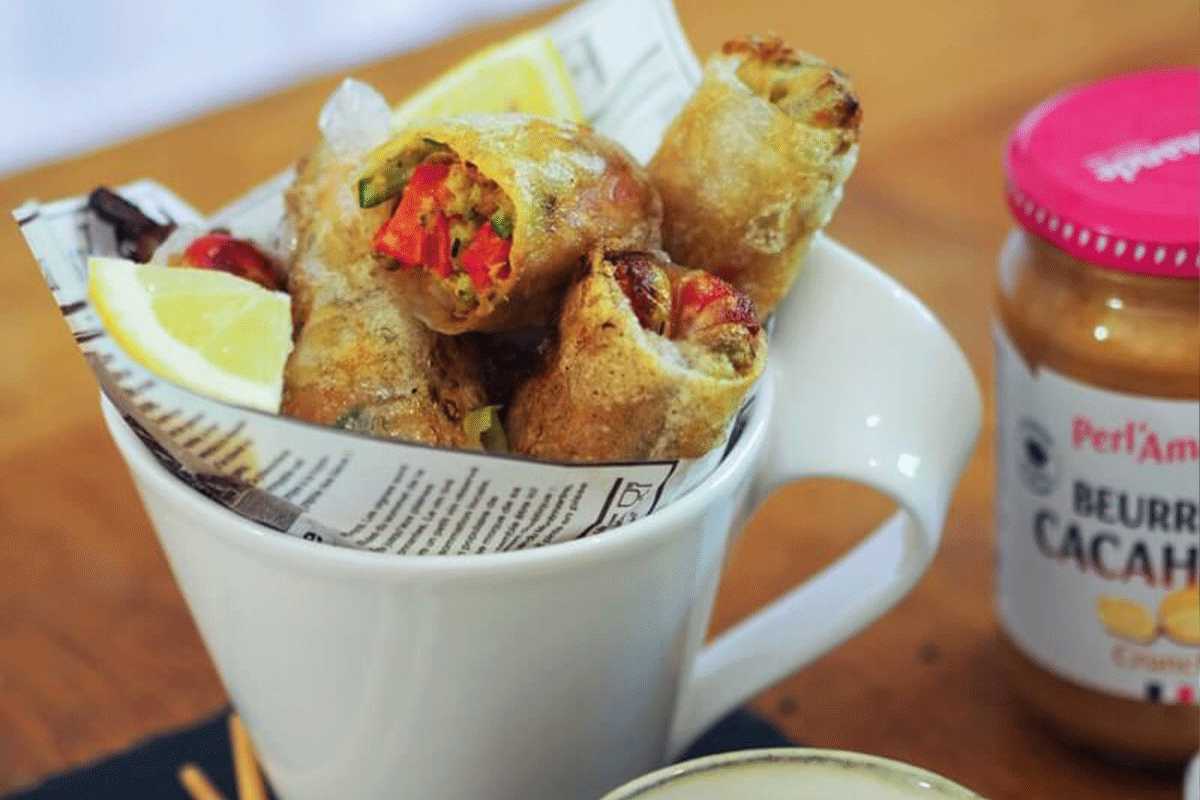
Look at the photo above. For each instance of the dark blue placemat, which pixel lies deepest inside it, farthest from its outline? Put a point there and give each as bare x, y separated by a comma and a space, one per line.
148, 770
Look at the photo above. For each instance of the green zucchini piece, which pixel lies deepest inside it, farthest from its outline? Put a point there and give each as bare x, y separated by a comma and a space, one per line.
384, 182
464, 288
483, 426
502, 224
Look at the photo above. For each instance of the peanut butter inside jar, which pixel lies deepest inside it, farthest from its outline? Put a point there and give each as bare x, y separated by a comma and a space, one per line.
1128, 333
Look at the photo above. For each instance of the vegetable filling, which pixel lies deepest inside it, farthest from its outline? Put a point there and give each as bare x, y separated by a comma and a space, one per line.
689, 305
704, 301
454, 222
800, 85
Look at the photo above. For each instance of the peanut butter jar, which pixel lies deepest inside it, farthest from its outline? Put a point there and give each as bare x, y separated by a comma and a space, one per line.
1098, 415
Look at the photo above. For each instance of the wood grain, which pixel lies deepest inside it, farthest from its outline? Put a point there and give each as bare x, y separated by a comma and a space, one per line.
96, 647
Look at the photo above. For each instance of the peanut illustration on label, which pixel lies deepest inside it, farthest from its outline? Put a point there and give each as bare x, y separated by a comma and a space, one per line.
1127, 619
1179, 615
1178, 618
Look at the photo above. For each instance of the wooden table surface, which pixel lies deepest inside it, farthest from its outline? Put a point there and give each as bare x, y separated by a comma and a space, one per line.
97, 650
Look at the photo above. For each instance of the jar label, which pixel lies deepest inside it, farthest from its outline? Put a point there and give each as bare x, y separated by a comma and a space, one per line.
1098, 495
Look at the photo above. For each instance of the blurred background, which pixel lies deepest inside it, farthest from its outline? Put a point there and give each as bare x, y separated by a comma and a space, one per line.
78, 74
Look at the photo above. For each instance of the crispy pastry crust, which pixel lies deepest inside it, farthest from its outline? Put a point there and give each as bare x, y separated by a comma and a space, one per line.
610, 390
361, 361
570, 187
754, 165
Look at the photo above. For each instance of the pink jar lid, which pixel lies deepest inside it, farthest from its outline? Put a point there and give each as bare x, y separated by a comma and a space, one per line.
1110, 174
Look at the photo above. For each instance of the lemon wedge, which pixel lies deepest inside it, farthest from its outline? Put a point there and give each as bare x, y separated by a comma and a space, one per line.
217, 334
525, 73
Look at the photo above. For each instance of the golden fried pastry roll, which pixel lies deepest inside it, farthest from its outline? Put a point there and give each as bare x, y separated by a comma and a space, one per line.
754, 165
651, 361
488, 215
361, 361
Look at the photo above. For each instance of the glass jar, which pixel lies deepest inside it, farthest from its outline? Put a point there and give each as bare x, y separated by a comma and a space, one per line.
1098, 416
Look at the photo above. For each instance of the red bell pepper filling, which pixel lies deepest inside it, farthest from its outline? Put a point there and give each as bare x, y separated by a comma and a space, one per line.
485, 256
226, 253
418, 233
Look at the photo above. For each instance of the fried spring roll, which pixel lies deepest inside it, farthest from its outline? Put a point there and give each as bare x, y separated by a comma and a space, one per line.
754, 165
489, 214
361, 361
651, 362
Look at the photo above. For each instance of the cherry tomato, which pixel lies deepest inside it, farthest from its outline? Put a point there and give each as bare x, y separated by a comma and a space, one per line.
238, 257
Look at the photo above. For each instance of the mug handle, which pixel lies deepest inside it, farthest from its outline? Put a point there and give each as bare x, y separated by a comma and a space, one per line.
868, 387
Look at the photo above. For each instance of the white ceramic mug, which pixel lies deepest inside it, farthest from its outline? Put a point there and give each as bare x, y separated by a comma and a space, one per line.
558, 673
791, 773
